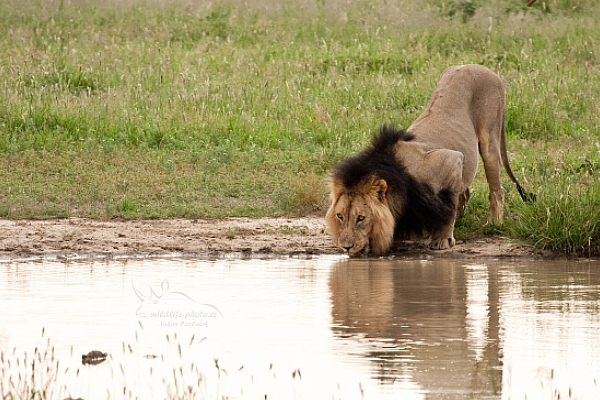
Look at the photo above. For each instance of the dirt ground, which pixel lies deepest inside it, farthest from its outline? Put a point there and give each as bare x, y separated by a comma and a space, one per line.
84, 238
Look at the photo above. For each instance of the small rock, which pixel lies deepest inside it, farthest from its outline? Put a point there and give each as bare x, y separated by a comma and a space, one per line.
94, 357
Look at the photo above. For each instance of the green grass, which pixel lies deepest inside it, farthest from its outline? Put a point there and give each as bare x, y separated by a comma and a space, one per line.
146, 109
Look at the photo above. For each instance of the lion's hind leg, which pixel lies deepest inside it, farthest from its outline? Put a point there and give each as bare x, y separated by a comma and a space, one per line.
490, 154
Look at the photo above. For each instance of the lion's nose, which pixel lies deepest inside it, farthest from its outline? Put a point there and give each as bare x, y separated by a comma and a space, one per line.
347, 248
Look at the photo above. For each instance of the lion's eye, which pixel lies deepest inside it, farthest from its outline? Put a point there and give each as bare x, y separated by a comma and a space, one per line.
340, 217
360, 218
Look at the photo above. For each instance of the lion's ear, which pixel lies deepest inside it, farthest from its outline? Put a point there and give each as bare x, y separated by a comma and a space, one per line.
380, 188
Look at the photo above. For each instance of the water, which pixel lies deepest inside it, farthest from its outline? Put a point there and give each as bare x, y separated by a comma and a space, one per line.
321, 328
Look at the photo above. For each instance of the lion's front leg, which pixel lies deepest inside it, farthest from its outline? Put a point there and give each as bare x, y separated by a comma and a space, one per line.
444, 238
442, 171
442, 243
463, 200
447, 167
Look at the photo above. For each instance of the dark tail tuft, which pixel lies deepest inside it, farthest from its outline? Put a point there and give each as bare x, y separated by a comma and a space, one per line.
527, 197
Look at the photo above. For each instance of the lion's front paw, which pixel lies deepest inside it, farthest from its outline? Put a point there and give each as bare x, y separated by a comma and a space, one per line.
441, 243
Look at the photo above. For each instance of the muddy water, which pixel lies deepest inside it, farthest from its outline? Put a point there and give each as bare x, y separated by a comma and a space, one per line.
302, 329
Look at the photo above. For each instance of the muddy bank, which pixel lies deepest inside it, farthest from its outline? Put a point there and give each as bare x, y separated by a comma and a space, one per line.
285, 236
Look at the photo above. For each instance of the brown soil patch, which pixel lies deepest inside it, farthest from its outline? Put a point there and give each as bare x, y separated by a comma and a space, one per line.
279, 236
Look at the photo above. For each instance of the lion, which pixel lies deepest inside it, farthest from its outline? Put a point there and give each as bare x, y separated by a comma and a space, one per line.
416, 181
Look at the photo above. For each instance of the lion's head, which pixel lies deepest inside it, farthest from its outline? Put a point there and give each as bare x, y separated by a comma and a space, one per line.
367, 196
359, 219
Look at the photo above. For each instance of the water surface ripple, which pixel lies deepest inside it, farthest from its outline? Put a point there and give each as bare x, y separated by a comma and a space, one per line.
319, 328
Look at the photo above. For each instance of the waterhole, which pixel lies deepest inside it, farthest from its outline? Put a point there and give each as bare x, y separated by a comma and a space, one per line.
317, 328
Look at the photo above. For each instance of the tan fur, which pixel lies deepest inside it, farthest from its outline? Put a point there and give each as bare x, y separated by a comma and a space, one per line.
464, 118
361, 219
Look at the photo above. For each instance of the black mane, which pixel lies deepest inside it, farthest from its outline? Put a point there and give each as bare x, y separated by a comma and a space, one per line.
378, 159
422, 210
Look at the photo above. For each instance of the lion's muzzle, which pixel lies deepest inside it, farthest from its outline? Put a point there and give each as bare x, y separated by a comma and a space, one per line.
353, 247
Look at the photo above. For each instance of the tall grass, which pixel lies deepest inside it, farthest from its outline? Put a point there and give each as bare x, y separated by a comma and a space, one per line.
178, 108
182, 370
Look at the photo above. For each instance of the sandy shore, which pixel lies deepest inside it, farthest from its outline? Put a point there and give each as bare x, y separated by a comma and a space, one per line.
279, 236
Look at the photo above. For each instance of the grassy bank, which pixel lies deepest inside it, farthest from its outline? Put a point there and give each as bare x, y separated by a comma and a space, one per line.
184, 109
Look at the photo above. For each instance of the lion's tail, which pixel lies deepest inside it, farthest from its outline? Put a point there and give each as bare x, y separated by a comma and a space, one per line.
527, 197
